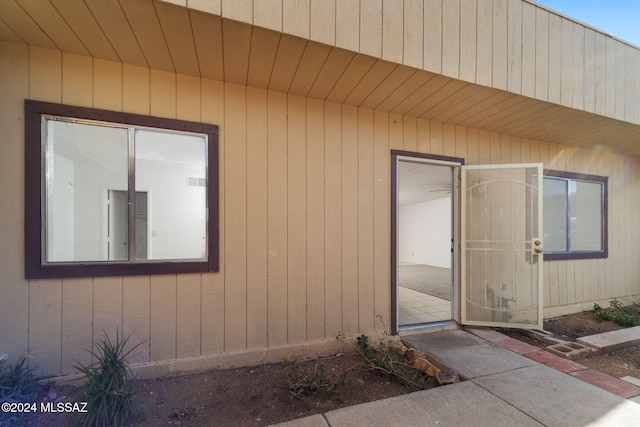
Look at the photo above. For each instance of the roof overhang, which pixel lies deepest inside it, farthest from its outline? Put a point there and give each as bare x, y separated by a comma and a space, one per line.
167, 37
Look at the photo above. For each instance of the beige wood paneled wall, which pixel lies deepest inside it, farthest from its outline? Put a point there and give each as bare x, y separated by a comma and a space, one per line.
304, 211
513, 45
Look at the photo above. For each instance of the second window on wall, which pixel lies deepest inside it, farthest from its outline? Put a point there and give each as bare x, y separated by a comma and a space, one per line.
575, 215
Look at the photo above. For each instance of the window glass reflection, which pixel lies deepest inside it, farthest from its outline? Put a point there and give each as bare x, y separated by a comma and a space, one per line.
170, 169
83, 163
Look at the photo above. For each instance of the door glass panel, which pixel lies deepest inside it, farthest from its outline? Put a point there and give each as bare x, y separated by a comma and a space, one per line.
501, 266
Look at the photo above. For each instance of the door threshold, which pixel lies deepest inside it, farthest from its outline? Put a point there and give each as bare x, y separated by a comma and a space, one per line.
421, 328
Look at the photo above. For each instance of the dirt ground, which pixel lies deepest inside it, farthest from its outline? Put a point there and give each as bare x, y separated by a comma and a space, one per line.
265, 394
618, 363
251, 396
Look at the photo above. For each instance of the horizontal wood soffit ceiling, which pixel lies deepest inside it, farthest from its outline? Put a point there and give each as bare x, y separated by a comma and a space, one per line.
170, 38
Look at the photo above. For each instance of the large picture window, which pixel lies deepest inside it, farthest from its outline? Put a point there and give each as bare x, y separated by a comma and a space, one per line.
575, 216
111, 193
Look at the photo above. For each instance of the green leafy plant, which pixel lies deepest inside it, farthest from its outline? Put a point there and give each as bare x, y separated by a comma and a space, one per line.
617, 313
615, 304
18, 384
386, 359
17, 381
365, 349
107, 391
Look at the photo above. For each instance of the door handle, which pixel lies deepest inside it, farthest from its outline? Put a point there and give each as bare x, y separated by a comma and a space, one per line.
537, 248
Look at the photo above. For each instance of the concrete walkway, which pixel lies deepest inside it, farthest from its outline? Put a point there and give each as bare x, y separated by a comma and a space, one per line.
613, 340
508, 383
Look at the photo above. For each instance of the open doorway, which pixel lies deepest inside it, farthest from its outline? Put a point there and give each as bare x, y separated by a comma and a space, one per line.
117, 225
423, 254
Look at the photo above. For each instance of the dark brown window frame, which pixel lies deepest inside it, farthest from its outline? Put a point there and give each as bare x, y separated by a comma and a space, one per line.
604, 253
33, 249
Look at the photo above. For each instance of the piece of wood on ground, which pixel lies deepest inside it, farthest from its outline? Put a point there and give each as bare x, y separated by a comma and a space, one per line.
421, 362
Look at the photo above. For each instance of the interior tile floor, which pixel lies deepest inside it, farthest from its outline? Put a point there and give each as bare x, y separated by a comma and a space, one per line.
415, 307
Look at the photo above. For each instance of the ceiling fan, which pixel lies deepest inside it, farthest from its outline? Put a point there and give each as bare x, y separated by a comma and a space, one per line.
446, 189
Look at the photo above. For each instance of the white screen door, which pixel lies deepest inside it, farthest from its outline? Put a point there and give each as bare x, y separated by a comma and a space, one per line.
501, 245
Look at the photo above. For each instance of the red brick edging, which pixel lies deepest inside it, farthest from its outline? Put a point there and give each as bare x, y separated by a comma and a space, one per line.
606, 382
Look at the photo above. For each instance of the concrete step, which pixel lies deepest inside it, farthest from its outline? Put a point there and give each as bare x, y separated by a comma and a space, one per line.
466, 354
613, 340
632, 380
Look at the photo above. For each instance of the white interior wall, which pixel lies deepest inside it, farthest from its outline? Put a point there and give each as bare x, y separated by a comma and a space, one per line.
90, 185
79, 229
60, 214
175, 217
424, 233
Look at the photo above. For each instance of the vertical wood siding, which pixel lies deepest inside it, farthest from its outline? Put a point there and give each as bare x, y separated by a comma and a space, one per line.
513, 45
14, 304
304, 211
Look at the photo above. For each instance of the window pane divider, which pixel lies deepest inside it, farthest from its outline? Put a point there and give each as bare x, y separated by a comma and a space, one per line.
131, 196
